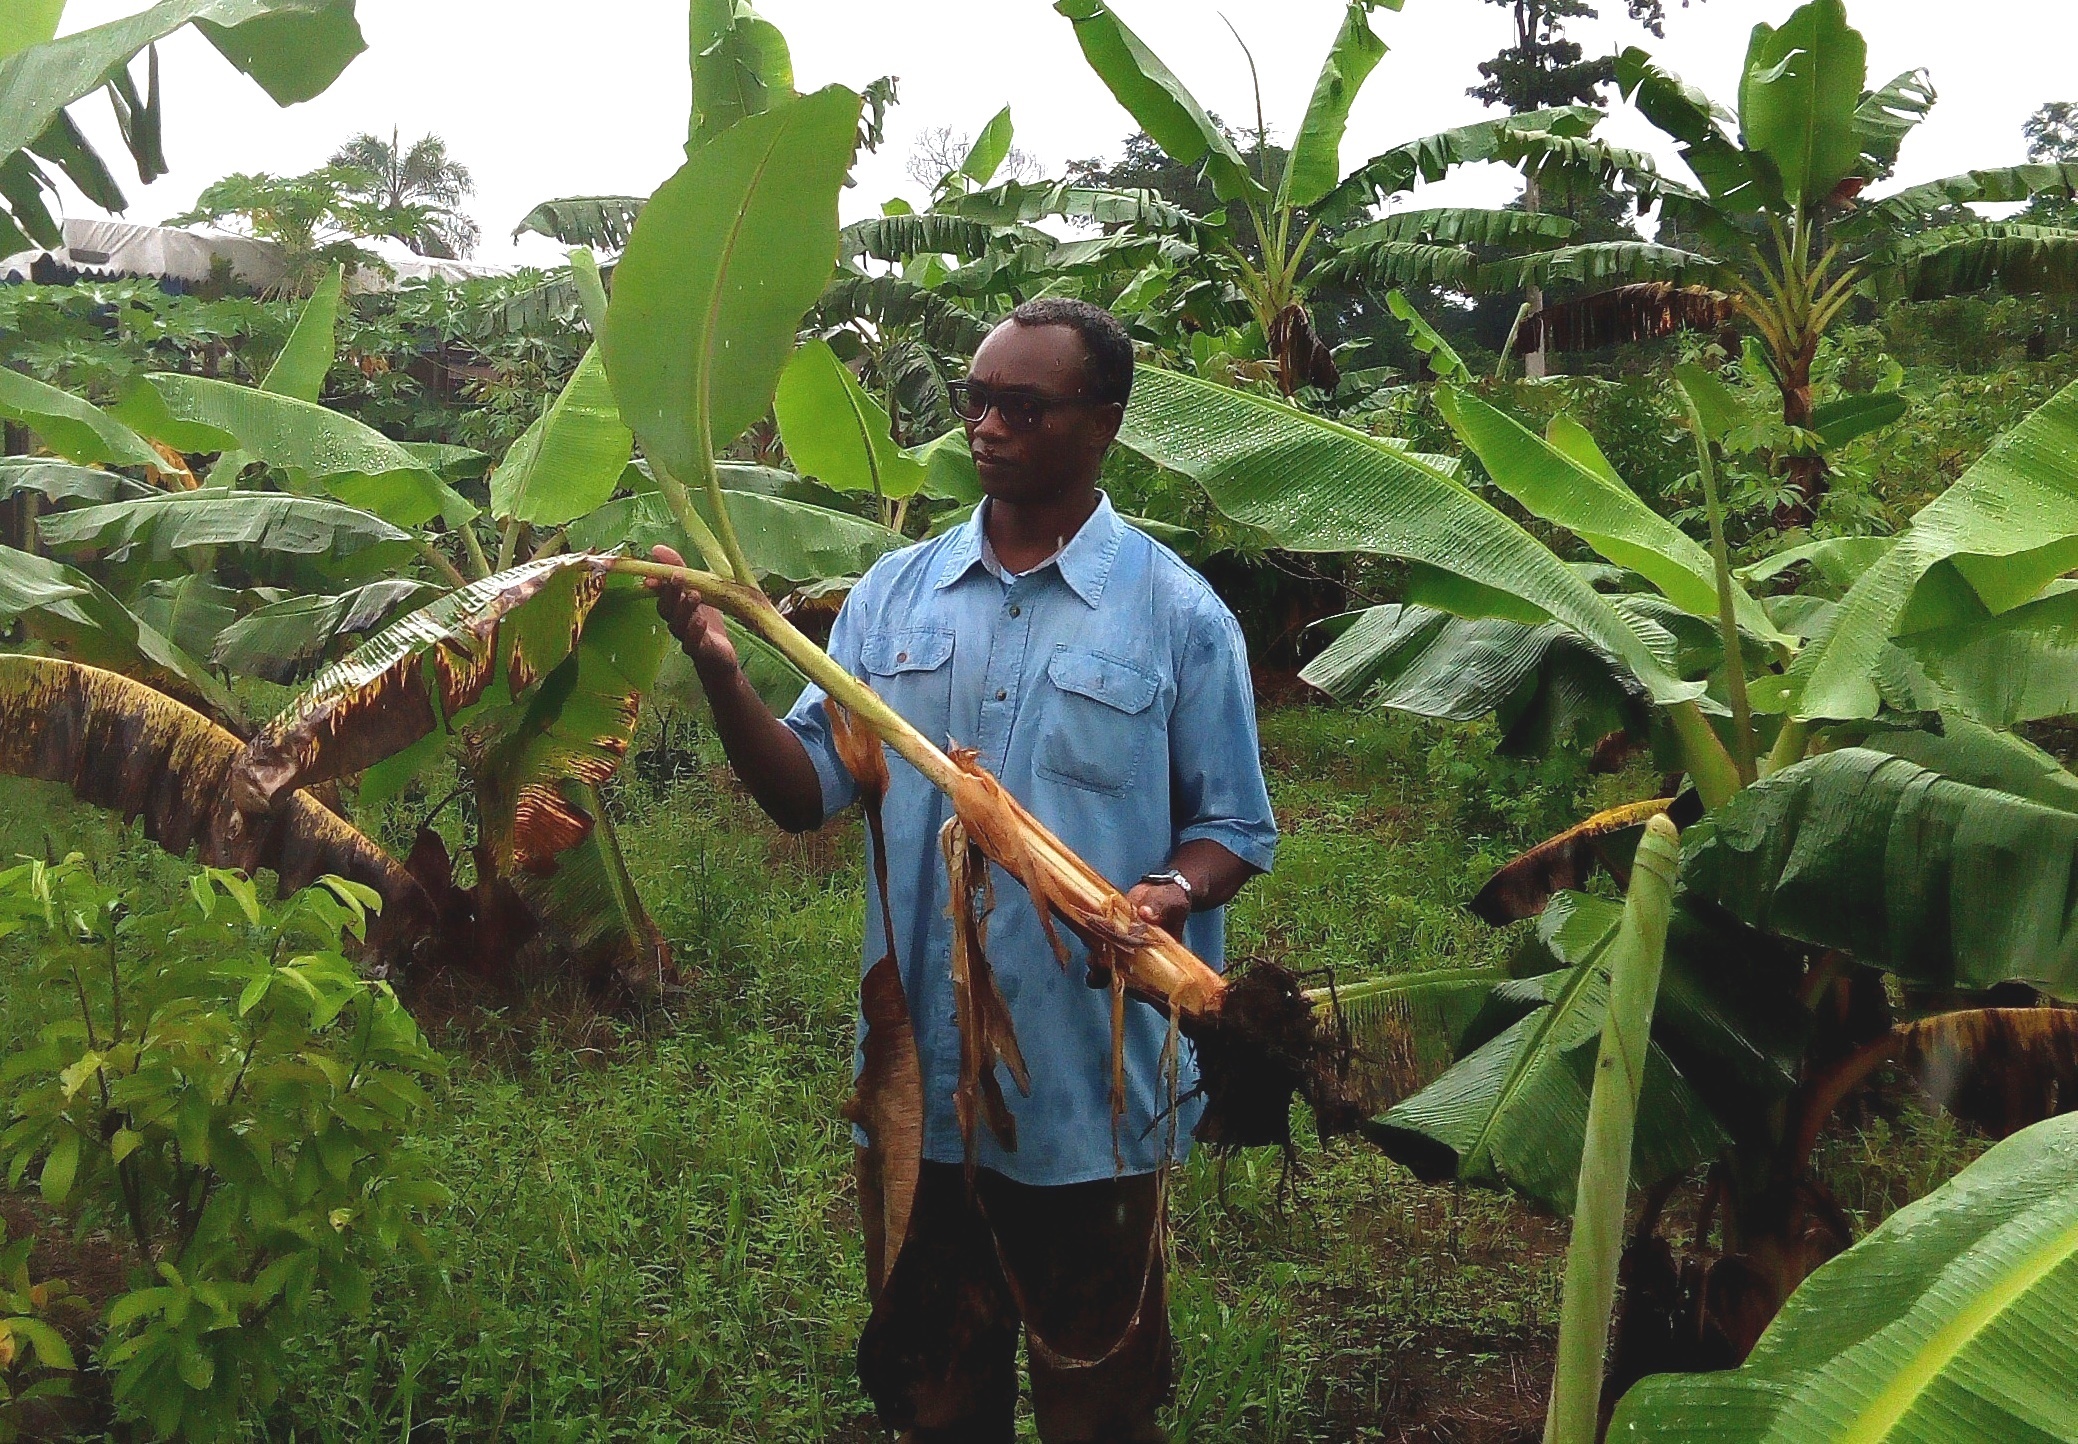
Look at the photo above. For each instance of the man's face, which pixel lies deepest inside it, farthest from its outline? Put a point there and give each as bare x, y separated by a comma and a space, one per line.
1062, 448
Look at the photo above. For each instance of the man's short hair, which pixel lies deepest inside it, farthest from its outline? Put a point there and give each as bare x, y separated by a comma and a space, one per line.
1110, 348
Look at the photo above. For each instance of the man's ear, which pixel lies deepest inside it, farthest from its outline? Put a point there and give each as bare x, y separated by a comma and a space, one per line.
1110, 417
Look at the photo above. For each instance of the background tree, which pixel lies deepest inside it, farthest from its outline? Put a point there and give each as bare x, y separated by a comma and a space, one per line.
1543, 69
939, 150
317, 219
423, 181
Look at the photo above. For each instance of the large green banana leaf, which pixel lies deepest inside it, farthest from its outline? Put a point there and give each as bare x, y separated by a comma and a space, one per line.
1512, 1112
282, 640
62, 481
77, 430
1158, 101
1798, 96
1947, 884
835, 432
306, 358
1568, 482
29, 22
1728, 1041
787, 541
570, 460
727, 256
1316, 485
1458, 226
1547, 688
190, 611
315, 447
513, 628
988, 152
165, 523
76, 615
1020, 203
1315, 164
1992, 541
1967, 752
2020, 666
1955, 1320
293, 48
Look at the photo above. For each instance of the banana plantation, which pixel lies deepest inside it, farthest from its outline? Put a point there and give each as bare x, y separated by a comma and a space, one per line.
1655, 588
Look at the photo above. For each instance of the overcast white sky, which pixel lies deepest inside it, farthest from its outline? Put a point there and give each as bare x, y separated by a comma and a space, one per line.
545, 99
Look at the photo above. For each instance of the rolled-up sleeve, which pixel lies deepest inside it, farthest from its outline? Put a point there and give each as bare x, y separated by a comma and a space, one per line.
810, 720
1217, 783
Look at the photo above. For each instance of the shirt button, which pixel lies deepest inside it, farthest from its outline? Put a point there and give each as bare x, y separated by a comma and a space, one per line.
901, 656
1016, 611
1001, 695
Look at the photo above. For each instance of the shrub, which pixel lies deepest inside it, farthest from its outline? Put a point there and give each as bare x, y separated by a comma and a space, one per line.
224, 1091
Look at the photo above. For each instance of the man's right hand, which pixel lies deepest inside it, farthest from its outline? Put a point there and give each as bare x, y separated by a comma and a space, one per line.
697, 626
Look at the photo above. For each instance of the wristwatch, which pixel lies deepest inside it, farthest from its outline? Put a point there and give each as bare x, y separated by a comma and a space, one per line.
1176, 879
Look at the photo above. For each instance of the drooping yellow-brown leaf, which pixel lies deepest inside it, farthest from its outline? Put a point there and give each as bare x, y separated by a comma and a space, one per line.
121, 745
1522, 886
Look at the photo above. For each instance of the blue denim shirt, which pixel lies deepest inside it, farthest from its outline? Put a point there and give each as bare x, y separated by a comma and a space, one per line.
1109, 691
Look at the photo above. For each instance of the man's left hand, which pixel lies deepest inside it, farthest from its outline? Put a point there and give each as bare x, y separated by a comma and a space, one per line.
1162, 904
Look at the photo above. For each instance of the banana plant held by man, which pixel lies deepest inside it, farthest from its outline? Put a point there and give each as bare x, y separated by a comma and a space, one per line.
1107, 687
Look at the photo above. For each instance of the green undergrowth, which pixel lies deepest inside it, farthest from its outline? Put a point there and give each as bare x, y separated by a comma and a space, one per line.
653, 1236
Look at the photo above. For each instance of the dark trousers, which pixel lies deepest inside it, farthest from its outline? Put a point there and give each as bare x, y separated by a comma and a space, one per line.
1078, 1268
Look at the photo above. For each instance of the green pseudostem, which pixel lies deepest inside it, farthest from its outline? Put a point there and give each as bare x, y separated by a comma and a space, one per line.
1727, 623
1605, 1159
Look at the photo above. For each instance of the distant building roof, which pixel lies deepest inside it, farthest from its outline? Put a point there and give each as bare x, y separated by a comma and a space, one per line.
108, 249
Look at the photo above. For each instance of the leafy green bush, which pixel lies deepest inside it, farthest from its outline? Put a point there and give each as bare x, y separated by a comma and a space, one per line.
224, 1091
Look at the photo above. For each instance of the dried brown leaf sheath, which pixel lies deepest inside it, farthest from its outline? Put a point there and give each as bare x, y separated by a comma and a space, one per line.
418, 674
121, 745
1625, 314
987, 1036
887, 1101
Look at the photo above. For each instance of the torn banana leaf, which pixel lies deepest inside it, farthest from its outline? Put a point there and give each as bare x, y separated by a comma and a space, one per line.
419, 674
574, 725
121, 745
538, 673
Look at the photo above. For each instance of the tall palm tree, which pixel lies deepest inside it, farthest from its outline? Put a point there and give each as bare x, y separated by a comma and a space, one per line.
422, 178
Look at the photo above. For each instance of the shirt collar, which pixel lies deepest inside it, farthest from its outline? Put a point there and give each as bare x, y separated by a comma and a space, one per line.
1084, 563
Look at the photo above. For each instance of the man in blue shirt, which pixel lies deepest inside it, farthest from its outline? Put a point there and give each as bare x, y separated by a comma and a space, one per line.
1106, 685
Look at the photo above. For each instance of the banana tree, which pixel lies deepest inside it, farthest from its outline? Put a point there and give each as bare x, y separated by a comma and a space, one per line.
1829, 839
1299, 225
1790, 239
294, 49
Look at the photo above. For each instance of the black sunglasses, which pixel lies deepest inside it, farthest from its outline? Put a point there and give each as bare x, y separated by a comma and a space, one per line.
1020, 410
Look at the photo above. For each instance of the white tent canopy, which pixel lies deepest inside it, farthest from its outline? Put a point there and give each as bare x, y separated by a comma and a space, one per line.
110, 249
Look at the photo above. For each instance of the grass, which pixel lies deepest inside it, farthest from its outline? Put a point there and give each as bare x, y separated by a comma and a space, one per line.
653, 1236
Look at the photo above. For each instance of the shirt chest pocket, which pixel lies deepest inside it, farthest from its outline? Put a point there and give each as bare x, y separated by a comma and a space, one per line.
911, 670
1095, 721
